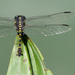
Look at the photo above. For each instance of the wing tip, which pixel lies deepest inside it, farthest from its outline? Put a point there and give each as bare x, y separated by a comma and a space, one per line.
67, 12
65, 25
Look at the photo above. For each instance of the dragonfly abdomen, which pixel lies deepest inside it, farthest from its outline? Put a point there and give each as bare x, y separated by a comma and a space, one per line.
19, 24
19, 51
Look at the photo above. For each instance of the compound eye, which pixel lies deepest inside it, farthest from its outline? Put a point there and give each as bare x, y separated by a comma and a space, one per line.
23, 18
16, 17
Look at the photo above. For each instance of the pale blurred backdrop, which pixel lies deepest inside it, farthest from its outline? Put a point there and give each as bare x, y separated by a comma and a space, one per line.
58, 50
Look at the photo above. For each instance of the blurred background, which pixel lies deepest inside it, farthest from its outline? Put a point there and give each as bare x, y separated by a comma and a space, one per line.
58, 51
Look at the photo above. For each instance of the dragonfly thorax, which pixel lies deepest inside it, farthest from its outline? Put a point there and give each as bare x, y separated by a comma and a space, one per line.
20, 22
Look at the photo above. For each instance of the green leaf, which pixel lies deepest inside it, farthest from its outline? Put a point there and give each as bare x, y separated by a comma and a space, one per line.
31, 63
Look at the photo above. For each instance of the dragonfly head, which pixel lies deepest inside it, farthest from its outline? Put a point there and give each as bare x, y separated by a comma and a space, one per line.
20, 16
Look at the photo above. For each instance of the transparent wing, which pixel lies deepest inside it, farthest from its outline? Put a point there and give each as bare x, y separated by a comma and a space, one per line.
7, 30
49, 19
47, 30
7, 26
6, 21
37, 25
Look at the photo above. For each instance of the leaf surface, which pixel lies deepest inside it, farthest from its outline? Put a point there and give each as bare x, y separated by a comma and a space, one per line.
31, 63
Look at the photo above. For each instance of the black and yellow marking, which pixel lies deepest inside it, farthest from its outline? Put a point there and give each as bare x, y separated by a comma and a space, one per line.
19, 24
19, 51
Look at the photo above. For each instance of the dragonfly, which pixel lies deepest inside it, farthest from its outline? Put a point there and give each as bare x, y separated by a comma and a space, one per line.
45, 25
